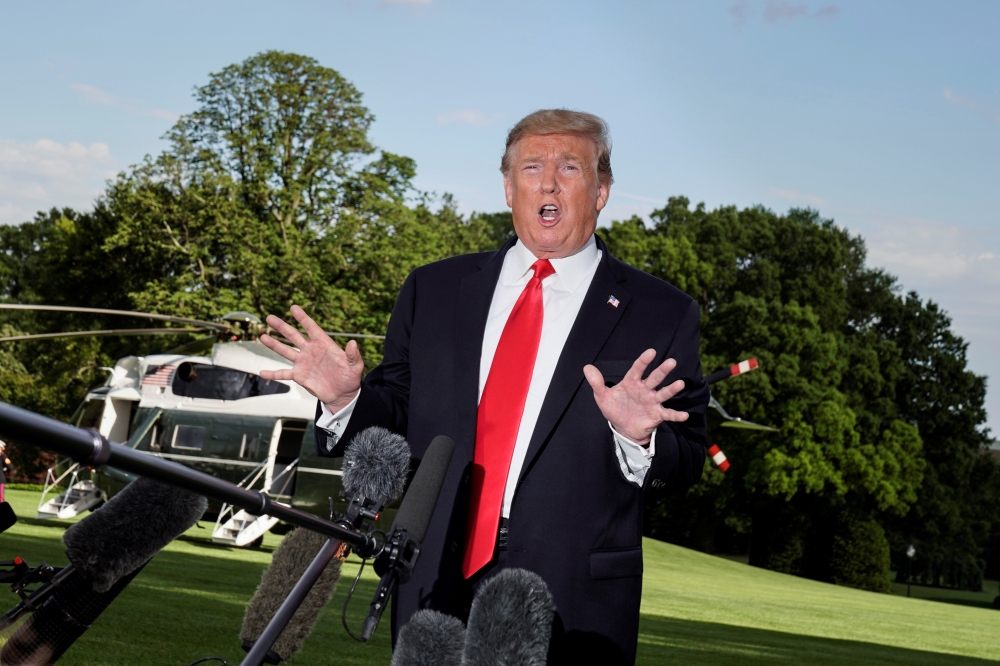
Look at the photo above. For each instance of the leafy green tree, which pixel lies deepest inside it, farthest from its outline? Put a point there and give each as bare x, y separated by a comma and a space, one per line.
794, 291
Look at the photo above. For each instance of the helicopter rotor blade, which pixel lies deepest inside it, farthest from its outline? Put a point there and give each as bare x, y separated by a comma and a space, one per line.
337, 334
332, 334
747, 425
126, 313
193, 347
118, 331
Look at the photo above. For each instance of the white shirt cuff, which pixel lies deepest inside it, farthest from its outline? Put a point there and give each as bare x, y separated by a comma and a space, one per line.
335, 424
634, 459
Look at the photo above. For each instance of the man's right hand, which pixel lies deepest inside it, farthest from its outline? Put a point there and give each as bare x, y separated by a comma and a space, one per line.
319, 365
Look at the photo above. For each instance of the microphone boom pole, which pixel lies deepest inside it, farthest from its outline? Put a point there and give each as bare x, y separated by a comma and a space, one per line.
291, 604
90, 448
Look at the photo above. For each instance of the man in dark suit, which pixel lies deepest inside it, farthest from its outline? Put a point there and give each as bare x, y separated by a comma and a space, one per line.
493, 350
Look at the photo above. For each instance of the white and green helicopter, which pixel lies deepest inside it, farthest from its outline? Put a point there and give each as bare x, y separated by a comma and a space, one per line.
213, 413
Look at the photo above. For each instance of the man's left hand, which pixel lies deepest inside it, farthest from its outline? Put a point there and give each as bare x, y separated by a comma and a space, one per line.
634, 406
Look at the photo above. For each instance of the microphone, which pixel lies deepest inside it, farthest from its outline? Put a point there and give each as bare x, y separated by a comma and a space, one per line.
399, 555
106, 551
7, 517
376, 464
289, 563
430, 638
510, 621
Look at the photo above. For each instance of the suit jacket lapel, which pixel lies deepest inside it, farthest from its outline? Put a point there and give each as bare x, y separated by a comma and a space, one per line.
475, 294
594, 324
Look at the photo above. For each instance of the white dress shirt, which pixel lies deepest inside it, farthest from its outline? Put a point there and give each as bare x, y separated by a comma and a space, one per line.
562, 296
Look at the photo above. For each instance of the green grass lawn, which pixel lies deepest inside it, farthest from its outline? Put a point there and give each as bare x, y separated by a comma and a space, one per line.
697, 609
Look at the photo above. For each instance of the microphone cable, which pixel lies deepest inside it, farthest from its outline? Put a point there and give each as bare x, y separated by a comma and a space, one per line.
350, 593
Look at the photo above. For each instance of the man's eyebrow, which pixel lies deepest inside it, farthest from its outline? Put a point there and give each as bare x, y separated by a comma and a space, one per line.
564, 156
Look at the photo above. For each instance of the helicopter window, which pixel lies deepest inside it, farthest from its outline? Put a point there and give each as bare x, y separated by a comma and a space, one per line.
249, 446
92, 414
188, 437
200, 380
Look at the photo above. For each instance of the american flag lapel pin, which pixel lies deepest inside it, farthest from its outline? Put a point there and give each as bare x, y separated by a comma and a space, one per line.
613, 301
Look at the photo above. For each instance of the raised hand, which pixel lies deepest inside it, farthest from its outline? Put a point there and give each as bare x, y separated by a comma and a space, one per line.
319, 365
634, 406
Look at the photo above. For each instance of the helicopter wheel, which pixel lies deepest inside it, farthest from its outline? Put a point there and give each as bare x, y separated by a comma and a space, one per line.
256, 543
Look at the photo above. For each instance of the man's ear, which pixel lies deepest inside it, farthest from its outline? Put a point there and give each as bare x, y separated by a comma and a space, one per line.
603, 194
508, 189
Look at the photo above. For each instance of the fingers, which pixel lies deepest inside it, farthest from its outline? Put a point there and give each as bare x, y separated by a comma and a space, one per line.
278, 348
285, 375
312, 328
596, 381
660, 373
353, 353
640, 365
673, 415
668, 392
288, 331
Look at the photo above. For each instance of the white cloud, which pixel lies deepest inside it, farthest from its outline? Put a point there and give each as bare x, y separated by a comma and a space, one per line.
96, 95
741, 11
473, 117
802, 198
777, 11
991, 112
958, 267
37, 176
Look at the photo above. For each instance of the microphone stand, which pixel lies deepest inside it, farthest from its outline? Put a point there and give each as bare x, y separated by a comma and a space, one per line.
257, 654
90, 448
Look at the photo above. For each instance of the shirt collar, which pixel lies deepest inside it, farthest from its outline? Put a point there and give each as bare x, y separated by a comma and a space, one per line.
570, 271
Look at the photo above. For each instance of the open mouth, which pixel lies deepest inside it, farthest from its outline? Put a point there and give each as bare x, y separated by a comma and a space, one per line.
549, 212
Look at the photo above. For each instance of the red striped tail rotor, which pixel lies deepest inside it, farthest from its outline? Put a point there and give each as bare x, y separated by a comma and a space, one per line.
740, 368
718, 457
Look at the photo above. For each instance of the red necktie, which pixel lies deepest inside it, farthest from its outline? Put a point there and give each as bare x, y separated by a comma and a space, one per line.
499, 418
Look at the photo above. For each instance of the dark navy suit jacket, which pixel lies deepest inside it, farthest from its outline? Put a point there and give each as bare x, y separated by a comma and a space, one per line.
574, 518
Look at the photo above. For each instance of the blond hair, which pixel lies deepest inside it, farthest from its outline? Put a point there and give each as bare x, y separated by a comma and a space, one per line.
564, 121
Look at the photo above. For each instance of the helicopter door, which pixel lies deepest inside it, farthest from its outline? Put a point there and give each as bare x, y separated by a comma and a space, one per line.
286, 444
110, 417
121, 414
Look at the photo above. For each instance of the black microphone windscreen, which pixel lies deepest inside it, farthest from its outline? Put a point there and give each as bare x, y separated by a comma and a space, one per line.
7, 516
289, 562
418, 504
430, 638
129, 530
60, 621
510, 621
376, 464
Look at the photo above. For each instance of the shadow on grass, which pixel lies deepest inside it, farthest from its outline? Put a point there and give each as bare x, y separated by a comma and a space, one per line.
673, 641
186, 606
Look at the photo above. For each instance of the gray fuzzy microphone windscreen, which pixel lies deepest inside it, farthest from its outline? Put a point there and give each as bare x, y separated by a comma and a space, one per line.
430, 638
289, 562
129, 530
510, 621
376, 464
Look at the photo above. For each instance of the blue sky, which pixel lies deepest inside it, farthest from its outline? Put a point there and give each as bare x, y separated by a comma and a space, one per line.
883, 116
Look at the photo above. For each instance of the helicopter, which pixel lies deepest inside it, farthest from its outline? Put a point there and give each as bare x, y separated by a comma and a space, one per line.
217, 415
212, 413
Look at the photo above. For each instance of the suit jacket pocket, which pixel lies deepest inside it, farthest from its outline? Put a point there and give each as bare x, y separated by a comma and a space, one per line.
613, 371
619, 563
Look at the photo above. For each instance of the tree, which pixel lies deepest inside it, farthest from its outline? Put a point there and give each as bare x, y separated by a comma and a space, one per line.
793, 291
